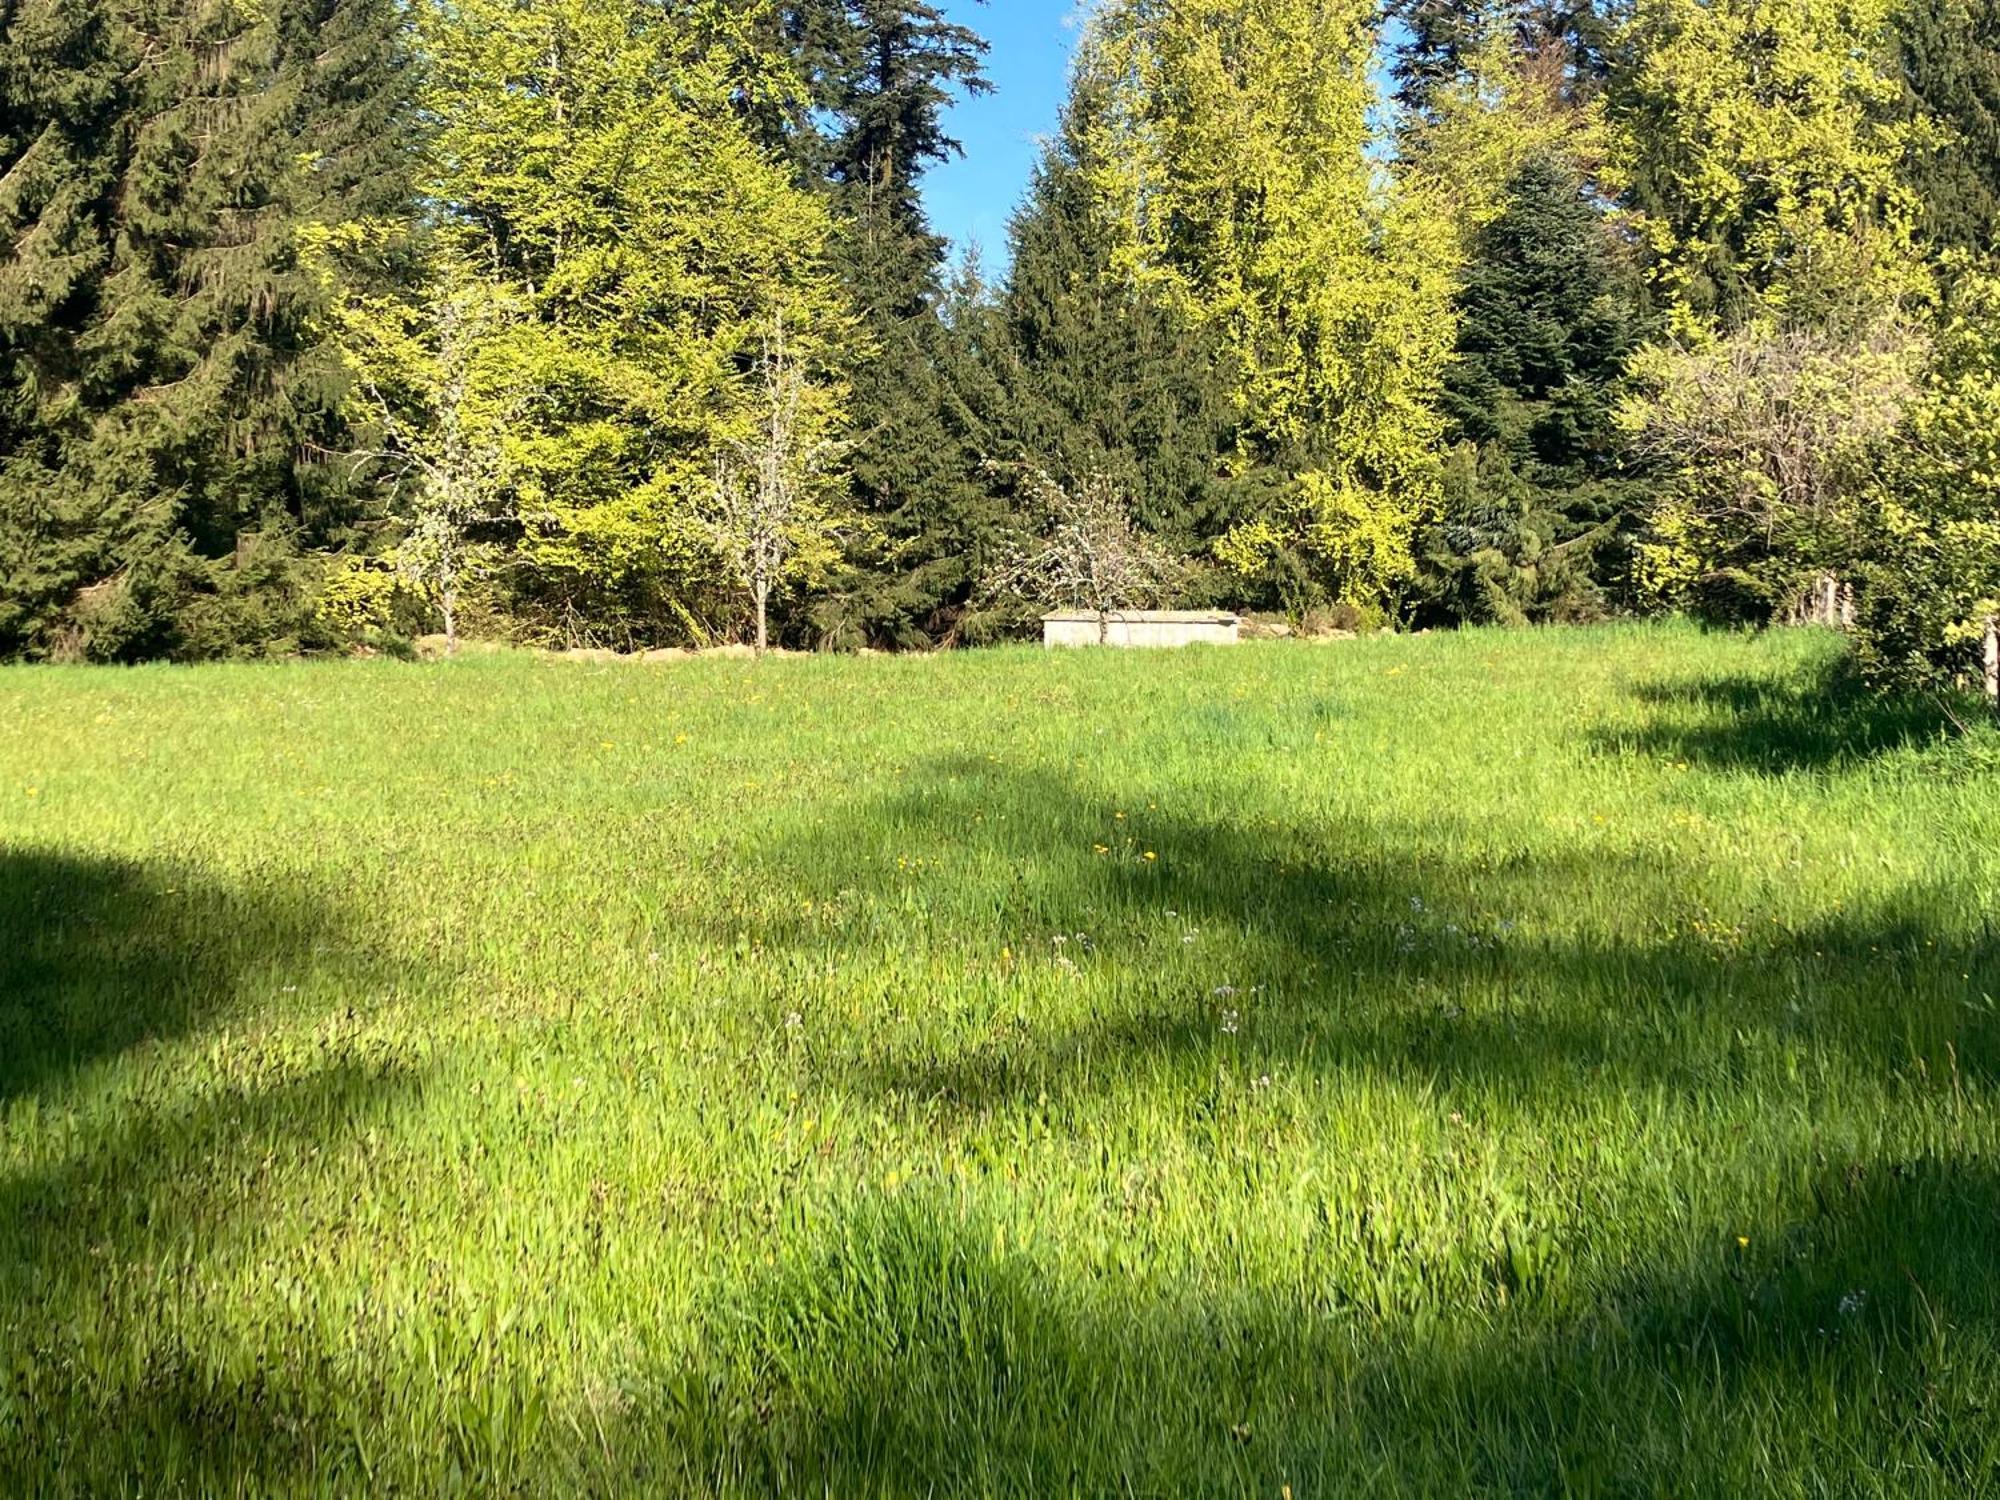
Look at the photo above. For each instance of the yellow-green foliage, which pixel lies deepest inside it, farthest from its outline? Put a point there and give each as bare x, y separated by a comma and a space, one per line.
1930, 525
1768, 436
1758, 143
594, 153
1228, 146
1503, 111
1360, 538
357, 598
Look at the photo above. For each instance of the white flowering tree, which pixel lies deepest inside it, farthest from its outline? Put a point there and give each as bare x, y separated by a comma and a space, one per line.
769, 517
1086, 554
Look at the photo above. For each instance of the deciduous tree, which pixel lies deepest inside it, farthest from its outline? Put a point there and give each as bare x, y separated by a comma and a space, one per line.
1928, 555
1086, 553
1230, 146
1759, 148
436, 388
597, 156
770, 514
1770, 435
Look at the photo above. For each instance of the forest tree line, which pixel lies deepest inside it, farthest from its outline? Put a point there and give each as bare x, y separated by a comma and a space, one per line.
620, 322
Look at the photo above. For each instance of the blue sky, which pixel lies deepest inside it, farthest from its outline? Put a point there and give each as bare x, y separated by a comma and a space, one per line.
972, 199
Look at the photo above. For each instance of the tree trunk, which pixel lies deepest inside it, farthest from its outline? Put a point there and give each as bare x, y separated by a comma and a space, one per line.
763, 617
448, 607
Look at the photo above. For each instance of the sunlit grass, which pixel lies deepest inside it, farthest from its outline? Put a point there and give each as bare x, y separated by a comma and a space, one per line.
1438, 1065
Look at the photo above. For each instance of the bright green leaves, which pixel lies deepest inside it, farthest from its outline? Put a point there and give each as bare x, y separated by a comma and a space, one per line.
1759, 152
595, 157
1929, 521
1228, 146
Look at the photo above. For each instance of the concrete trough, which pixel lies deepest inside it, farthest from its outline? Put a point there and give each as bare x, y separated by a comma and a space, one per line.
1140, 627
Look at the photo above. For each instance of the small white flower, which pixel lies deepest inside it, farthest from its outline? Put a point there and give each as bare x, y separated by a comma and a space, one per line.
1230, 1021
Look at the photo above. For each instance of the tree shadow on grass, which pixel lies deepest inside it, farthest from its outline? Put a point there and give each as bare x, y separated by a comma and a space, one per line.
1358, 947
909, 1350
1824, 720
116, 1209
101, 956
112, 1379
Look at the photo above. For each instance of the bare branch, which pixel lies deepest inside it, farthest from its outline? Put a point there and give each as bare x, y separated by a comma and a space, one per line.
1088, 554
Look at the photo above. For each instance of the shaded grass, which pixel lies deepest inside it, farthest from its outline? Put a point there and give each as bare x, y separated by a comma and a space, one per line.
1820, 718
1485, 1064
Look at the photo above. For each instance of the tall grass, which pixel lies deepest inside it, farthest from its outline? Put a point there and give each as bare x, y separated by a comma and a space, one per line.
1489, 1063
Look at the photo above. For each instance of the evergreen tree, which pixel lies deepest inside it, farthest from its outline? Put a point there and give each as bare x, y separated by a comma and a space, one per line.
1535, 506
1439, 39
163, 385
1950, 52
1105, 380
1438, 45
882, 74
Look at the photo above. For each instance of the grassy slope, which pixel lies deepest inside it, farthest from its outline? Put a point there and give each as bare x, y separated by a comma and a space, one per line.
1498, 1062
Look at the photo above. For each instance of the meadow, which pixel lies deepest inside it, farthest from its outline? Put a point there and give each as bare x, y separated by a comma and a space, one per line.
1555, 1062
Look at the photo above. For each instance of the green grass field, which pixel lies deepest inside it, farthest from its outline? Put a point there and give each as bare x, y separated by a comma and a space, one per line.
1505, 1063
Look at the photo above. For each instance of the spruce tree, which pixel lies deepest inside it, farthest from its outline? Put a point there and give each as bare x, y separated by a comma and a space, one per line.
1104, 380
1950, 51
163, 387
883, 73
1439, 38
1438, 42
1536, 508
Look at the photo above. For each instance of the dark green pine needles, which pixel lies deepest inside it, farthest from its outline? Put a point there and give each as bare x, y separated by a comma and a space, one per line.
163, 392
